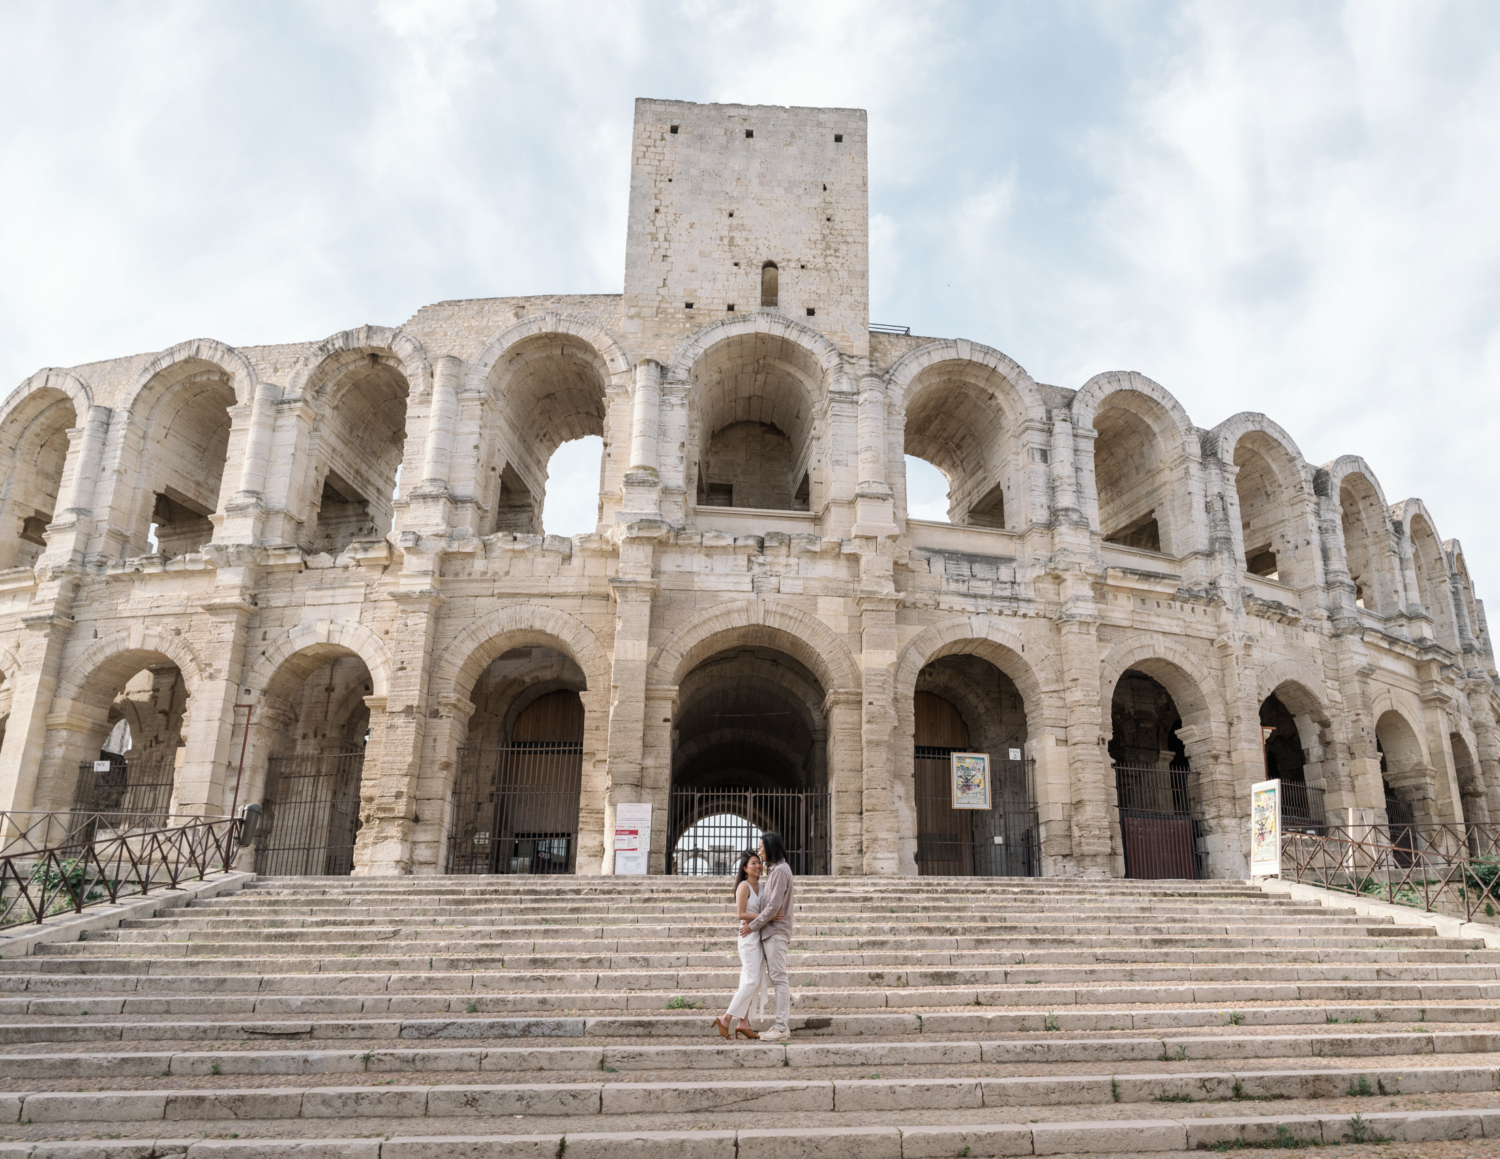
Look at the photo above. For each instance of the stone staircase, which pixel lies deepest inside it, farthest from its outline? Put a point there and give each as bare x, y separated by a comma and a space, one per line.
448, 1018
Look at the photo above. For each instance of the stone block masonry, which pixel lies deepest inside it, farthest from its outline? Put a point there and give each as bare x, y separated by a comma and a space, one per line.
334, 556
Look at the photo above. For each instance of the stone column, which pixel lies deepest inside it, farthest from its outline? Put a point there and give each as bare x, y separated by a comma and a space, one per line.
73, 522
848, 818
880, 820
209, 727
874, 504
627, 719
43, 638
245, 510
1095, 830
385, 843
643, 481
446, 732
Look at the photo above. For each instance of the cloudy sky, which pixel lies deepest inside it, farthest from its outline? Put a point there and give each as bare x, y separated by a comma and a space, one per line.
1280, 207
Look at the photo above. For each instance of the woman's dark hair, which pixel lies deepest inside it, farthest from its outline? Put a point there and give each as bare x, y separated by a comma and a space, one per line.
744, 861
775, 851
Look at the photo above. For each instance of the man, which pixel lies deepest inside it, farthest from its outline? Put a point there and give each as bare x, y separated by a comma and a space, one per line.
774, 925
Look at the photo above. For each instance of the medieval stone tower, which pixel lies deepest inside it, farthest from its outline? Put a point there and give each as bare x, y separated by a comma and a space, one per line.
317, 577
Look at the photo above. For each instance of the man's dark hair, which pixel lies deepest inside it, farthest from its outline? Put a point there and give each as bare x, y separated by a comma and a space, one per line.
775, 851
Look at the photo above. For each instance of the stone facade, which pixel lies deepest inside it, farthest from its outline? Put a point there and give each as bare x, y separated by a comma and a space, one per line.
344, 543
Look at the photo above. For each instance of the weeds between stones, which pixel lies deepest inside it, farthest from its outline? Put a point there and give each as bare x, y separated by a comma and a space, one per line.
1236, 1019
1114, 1088
1051, 1023
1284, 1140
1164, 1097
1362, 1132
1360, 1089
681, 1003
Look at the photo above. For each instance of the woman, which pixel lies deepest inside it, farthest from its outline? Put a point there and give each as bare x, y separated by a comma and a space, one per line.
752, 960
774, 927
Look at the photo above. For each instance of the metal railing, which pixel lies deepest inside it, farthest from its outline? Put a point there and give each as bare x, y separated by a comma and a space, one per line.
111, 864
1448, 869
35, 831
311, 814
1302, 806
708, 829
515, 808
1159, 821
1001, 841
134, 785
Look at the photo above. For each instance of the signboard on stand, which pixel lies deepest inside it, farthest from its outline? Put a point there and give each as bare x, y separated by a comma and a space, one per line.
1265, 829
971, 780
632, 838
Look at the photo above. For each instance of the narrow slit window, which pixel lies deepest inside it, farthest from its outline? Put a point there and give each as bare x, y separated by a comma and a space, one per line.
838, 138
749, 133
770, 290
674, 128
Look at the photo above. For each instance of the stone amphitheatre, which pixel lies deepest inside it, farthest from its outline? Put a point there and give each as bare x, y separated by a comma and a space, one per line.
316, 579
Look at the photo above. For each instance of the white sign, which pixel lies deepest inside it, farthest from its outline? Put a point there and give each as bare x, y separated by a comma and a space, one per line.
102, 766
1015, 754
1265, 829
632, 838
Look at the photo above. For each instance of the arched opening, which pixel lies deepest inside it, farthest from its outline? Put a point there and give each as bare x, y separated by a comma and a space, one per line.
520, 771
183, 436
1367, 544
358, 443
1409, 792
961, 418
749, 753
1265, 512
33, 449
1156, 790
310, 732
1432, 581
965, 706
1302, 804
752, 420
770, 286
551, 391
120, 753
1471, 789
1132, 474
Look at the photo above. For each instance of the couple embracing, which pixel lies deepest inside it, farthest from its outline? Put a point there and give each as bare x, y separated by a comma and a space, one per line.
763, 898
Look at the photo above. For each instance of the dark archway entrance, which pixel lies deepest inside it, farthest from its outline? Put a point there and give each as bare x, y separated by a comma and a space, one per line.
964, 704
1286, 761
520, 776
1156, 791
749, 754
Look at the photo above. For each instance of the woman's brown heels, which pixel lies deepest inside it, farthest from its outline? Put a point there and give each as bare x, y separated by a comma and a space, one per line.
739, 1030
722, 1027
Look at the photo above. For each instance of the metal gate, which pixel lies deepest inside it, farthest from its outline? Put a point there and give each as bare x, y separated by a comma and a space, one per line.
708, 829
310, 816
515, 808
1158, 822
131, 791
997, 842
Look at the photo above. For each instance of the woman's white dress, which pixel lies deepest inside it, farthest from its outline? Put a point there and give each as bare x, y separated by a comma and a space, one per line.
752, 969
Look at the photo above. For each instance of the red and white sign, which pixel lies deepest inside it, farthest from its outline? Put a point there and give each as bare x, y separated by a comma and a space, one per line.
632, 838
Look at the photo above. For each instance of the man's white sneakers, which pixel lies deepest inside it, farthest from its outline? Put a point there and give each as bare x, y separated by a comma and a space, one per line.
774, 1035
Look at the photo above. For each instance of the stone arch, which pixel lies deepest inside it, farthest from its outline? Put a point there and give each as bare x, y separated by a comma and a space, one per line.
755, 421
469, 653
185, 355
1302, 690
35, 449
307, 647
696, 345
1365, 537
611, 353
1408, 768
320, 365
1430, 570
1472, 627
543, 382
1276, 523
1176, 669
1141, 481
964, 408
119, 651
991, 637
803, 637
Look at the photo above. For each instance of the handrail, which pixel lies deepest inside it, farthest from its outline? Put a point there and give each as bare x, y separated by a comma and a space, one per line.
1437, 868
33, 831
112, 863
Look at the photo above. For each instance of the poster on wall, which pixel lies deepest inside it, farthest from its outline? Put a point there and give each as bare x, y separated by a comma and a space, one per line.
632, 838
971, 780
1265, 829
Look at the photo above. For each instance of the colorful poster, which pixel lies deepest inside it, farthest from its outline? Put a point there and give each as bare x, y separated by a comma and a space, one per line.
1265, 829
632, 838
971, 780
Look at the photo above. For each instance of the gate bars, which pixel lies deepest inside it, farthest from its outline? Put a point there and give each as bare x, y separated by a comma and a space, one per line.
515, 808
111, 864
311, 815
142, 787
1452, 869
708, 829
996, 842
1158, 821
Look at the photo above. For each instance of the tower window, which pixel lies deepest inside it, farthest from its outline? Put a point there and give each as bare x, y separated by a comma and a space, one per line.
730, 307
749, 133
687, 305
674, 129
838, 138
811, 312
770, 292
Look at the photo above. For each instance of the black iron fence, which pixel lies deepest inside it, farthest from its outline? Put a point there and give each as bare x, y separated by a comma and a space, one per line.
708, 829
515, 809
1159, 821
141, 787
311, 815
108, 864
997, 842
1302, 807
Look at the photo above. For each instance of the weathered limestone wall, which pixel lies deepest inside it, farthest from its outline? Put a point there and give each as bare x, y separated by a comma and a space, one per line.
782, 640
